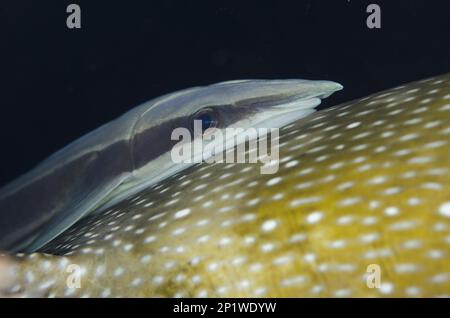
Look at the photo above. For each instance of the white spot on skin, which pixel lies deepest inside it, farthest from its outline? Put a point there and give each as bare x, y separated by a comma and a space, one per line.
374, 204
345, 268
336, 166
196, 279
182, 213
436, 144
222, 290
224, 241
118, 271
274, 181
432, 124
207, 204
249, 240
391, 211
202, 222
150, 239
345, 186
377, 180
420, 160
237, 261
402, 225
309, 257
248, 217
447, 239
146, 258
278, 196
158, 280
303, 201
46, 285
178, 231
343, 293
402, 152
405, 268
255, 267
267, 247
440, 278
293, 281
369, 238
306, 171
345, 219
282, 260
445, 107
29, 276
392, 191
349, 202
439, 227
180, 249
414, 201
304, 185
292, 163
299, 237
260, 291
435, 254
337, 244
128, 247
409, 175
179, 278
139, 231
213, 266
269, 225
412, 291
243, 284
386, 288
412, 244
136, 282
253, 202
353, 125
314, 217
317, 289
444, 210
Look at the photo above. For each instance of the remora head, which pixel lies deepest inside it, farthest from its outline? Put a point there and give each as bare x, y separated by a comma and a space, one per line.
246, 102
243, 104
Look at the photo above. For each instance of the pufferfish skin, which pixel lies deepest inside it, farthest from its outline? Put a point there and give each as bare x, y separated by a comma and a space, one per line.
361, 185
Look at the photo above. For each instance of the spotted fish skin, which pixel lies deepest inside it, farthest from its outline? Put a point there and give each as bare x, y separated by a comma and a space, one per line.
366, 182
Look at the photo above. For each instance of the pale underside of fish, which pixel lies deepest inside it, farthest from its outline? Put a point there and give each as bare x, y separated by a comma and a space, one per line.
361, 185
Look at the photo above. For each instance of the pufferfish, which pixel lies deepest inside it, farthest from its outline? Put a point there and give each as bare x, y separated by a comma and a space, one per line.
360, 207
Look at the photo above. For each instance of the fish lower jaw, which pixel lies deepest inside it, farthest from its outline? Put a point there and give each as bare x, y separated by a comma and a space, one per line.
299, 104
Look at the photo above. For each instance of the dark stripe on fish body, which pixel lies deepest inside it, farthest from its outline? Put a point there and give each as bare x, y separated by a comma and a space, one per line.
27, 211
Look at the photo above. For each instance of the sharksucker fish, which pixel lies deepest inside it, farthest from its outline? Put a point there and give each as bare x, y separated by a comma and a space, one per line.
133, 152
361, 185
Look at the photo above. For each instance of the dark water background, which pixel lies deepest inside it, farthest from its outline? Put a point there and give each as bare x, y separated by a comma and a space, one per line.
58, 84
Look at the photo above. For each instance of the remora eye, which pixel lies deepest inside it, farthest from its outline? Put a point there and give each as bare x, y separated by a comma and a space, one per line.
208, 117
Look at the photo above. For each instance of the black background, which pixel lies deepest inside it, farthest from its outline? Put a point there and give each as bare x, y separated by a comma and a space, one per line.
57, 84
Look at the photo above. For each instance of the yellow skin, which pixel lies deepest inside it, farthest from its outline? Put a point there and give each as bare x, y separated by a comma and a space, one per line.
362, 183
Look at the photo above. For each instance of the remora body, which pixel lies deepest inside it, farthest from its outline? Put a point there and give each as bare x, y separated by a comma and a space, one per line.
133, 152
